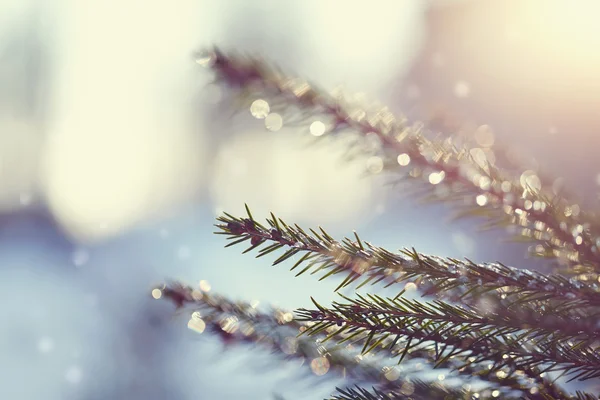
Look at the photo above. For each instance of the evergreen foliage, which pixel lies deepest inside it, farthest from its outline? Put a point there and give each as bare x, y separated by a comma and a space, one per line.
506, 332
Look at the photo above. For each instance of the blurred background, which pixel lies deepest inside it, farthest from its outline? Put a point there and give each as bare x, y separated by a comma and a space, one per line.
115, 158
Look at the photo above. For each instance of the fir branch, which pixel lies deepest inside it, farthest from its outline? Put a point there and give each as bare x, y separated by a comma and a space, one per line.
584, 396
323, 252
562, 230
507, 375
461, 331
411, 391
406, 394
240, 322
500, 321
366, 263
539, 323
462, 343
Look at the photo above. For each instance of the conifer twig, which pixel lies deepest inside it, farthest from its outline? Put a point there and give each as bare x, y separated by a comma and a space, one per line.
461, 331
412, 391
498, 334
510, 327
240, 322
364, 394
362, 261
561, 229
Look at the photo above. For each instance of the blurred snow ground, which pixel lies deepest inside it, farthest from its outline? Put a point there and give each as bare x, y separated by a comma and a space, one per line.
112, 168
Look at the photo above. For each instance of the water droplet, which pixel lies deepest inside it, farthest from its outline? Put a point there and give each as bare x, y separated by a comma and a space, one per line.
410, 287
273, 122
260, 109
529, 179
403, 159
319, 366
289, 345
391, 373
575, 283
196, 315
436, 177
206, 58
480, 158
371, 142
204, 286
375, 164
317, 128
229, 324
484, 182
197, 325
